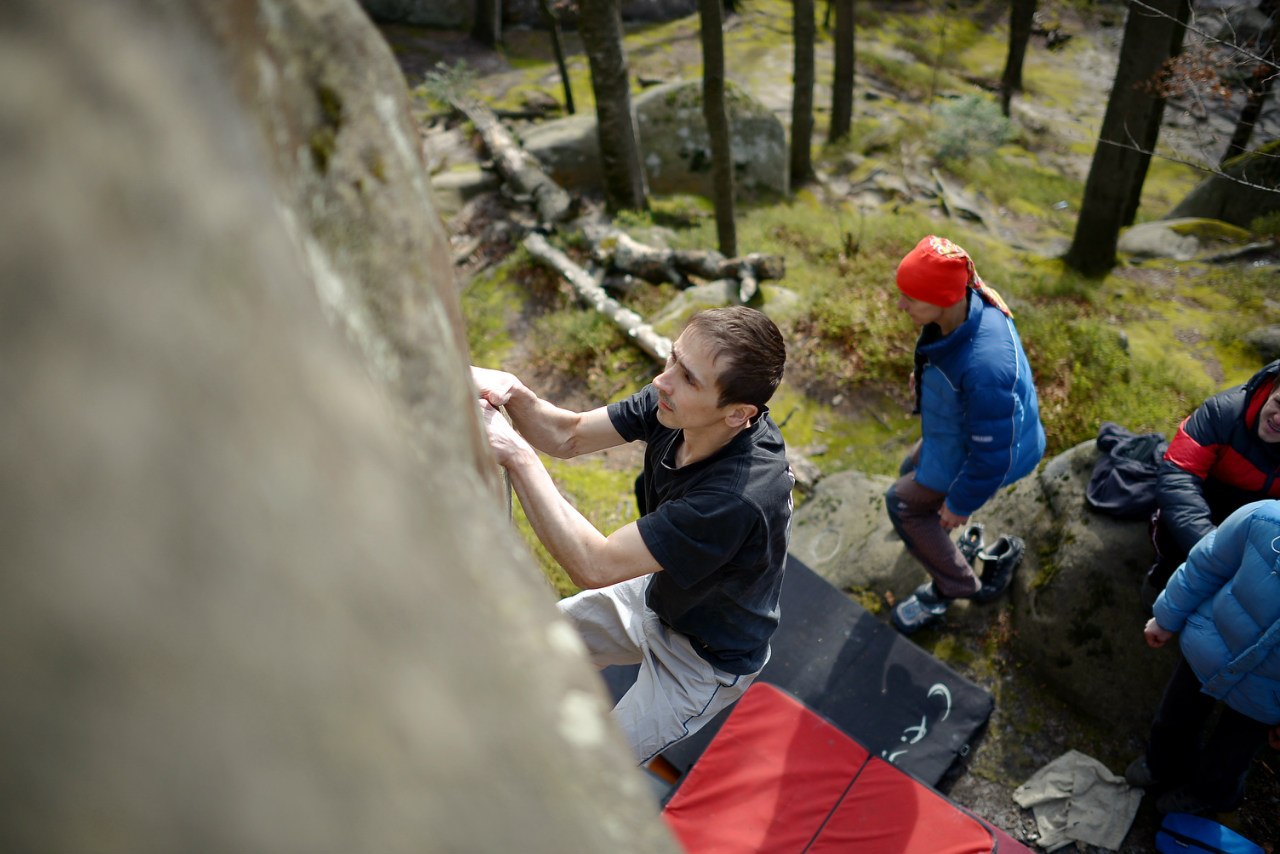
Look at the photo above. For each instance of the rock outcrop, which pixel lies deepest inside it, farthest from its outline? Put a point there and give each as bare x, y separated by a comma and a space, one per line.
673, 143
261, 591
1075, 607
1248, 188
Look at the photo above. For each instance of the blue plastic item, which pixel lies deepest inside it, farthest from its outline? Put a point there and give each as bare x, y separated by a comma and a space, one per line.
1182, 833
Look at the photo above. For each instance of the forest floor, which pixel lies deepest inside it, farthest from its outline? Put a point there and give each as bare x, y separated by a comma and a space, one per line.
1008, 750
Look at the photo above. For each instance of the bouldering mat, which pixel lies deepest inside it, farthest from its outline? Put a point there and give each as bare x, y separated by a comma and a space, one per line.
779, 777
905, 706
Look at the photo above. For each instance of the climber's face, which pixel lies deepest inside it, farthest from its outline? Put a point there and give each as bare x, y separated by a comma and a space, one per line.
1269, 417
689, 386
920, 312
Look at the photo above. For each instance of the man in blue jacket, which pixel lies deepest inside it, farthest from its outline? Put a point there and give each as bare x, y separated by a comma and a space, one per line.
1225, 601
980, 429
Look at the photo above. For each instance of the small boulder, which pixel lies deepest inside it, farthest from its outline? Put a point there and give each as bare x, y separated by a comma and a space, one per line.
673, 143
1266, 341
677, 151
1078, 616
1244, 191
1157, 240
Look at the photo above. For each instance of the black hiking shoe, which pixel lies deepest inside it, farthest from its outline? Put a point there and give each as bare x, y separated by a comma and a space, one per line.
970, 542
1139, 775
922, 608
998, 564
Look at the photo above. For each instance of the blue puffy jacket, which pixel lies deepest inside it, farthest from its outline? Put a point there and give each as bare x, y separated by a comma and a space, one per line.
1225, 600
980, 419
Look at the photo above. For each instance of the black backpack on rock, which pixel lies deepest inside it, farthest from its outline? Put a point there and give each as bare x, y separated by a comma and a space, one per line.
1123, 483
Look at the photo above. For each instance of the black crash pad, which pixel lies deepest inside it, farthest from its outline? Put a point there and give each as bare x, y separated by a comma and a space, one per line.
904, 705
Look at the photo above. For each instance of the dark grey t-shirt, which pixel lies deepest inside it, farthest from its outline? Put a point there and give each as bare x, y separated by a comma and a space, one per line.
719, 528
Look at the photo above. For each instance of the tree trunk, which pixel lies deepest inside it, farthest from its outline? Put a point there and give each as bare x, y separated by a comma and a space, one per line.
1154, 120
487, 28
714, 112
842, 80
805, 33
553, 26
1021, 15
1148, 37
600, 25
1259, 84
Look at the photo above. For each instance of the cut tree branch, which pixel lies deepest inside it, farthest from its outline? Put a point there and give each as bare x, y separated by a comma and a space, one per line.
623, 253
632, 324
517, 167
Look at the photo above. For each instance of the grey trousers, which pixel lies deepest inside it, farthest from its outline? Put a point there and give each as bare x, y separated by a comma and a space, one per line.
676, 691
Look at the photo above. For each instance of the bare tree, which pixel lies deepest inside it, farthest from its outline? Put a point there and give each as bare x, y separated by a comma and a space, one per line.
1259, 81
1124, 143
487, 27
1226, 51
552, 20
805, 33
842, 79
717, 118
1021, 15
600, 24
1155, 116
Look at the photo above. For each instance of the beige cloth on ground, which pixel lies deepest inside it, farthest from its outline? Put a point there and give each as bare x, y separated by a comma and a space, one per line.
1076, 799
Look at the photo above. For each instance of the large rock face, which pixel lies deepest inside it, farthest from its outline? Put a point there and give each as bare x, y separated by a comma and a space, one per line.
1248, 188
261, 593
673, 143
1076, 611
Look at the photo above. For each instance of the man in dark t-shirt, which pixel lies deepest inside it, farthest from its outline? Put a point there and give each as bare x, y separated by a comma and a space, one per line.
689, 591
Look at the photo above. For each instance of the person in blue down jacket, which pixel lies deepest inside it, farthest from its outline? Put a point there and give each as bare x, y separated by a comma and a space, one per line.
980, 430
1225, 602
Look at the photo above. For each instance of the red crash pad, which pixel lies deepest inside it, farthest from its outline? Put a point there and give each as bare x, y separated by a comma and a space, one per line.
778, 777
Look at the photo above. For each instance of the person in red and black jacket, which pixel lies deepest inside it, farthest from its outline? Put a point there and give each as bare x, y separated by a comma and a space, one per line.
1226, 454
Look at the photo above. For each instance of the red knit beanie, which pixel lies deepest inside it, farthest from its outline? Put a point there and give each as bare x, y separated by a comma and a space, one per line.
936, 271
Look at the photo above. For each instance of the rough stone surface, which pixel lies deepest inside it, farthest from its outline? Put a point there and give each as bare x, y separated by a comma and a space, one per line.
673, 143
452, 190
1246, 190
1157, 240
1077, 617
1266, 341
263, 594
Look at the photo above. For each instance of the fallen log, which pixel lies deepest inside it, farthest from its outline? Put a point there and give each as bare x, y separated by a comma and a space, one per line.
632, 324
517, 167
623, 253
